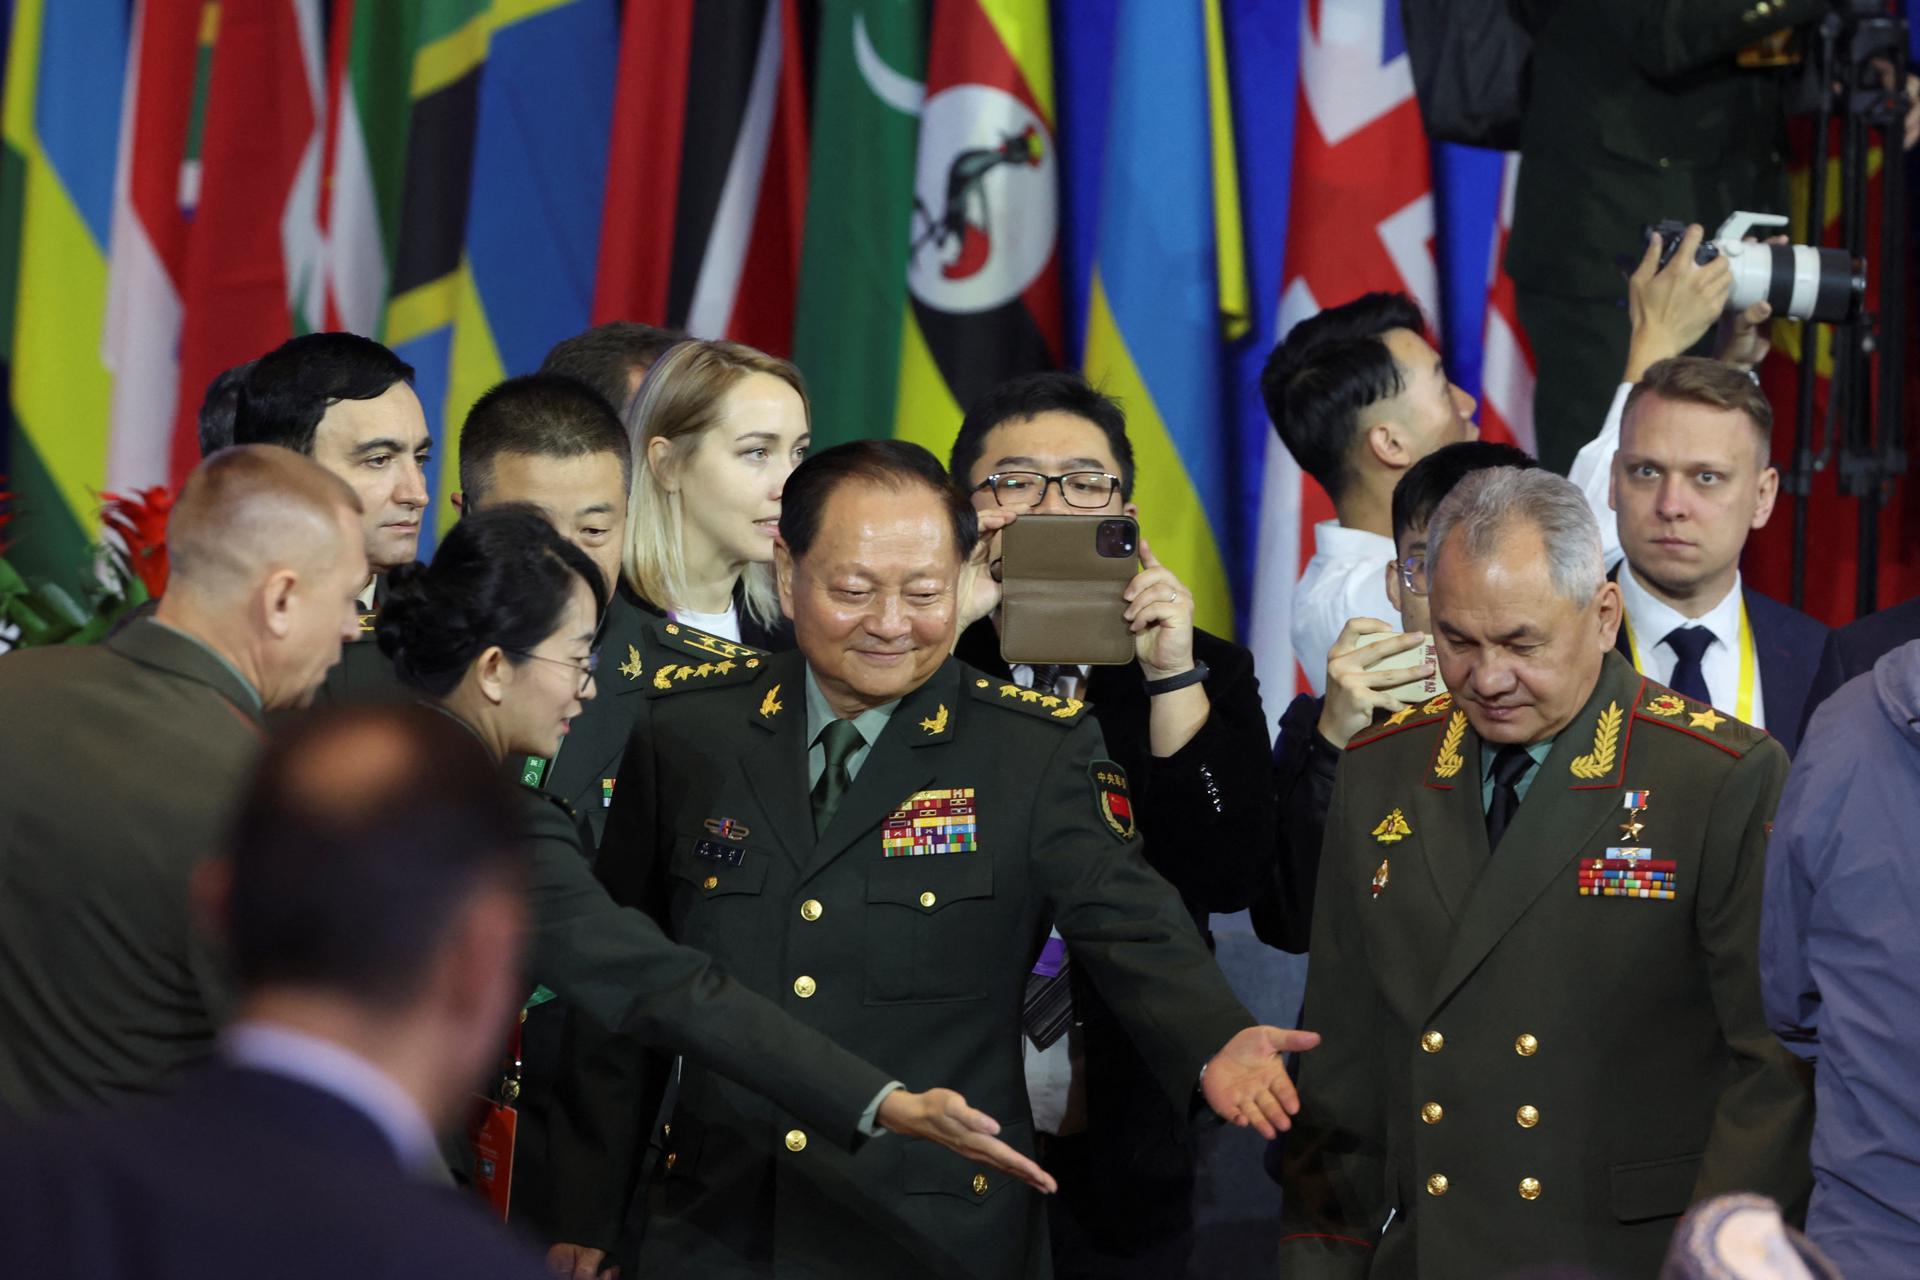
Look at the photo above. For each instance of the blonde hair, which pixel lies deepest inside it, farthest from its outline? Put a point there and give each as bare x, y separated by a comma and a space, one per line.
680, 402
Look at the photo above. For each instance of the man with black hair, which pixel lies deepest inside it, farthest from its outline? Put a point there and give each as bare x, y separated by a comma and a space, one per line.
612, 358
1314, 731
879, 836
218, 407
1184, 718
374, 898
348, 403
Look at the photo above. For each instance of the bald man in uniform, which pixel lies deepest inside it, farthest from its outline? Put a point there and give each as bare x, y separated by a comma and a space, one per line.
122, 761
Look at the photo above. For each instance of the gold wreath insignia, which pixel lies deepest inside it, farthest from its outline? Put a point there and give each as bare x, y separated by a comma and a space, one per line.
1449, 762
771, 705
1598, 763
631, 667
1667, 704
937, 722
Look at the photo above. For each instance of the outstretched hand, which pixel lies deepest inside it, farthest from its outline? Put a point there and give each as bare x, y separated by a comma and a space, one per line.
1246, 1083
943, 1116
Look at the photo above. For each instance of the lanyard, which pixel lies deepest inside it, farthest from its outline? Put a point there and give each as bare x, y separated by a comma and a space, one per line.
1749, 663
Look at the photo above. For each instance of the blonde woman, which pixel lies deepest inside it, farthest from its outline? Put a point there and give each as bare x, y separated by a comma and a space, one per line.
716, 429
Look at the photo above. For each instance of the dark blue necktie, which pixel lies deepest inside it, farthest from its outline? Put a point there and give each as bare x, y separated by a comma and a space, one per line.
1690, 643
1510, 765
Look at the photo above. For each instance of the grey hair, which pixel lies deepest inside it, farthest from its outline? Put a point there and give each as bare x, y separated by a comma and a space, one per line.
1485, 503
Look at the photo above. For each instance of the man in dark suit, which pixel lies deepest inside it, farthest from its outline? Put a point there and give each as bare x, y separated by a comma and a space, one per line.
375, 906
122, 762
1534, 940
348, 403
1185, 721
1648, 109
1691, 478
1853, 649
879, 838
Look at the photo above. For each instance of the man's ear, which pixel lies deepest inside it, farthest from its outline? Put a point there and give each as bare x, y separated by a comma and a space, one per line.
1608, 615
1769, 493
1393, 585
276, 601
783, 574
1386, 441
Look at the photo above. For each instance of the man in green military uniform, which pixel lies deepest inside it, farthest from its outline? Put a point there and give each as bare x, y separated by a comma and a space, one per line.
121, 762
878, 838
1534, 939
348, 403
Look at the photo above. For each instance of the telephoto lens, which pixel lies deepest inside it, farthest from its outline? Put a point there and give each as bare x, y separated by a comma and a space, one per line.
1802, 281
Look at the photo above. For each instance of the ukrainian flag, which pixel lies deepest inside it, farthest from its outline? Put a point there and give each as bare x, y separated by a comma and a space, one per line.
1168, 285
66, 63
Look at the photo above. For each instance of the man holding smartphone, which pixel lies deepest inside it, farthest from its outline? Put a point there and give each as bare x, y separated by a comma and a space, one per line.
1184, 718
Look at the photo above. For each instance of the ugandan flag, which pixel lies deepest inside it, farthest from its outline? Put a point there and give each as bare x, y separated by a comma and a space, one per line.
983, 258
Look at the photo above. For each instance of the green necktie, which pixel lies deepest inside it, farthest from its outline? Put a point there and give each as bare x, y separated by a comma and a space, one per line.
841, 740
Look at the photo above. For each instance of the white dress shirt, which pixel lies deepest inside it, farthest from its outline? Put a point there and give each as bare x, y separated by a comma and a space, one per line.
1346, 578
339, 1072
1653, 619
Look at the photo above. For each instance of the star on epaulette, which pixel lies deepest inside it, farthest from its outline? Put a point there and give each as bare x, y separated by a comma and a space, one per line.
703, 646
671, 677
1062, 711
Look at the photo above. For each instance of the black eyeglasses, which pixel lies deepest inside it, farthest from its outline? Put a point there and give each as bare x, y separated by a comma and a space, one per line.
1089, 489
584, 669
1413, 573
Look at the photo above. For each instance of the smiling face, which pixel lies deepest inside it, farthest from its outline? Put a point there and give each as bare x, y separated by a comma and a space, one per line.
1520, 658
873, 600
1689, 482
380, 447
584, 498
543, 690
729, 478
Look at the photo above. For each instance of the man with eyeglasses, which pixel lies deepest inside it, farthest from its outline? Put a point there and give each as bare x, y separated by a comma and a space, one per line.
1184, 718
1314, 731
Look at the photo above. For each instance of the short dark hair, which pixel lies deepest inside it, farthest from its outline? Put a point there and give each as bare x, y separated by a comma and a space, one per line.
541, 415
1433, 477
218, 406
1029, 396
350, 888
501, 577
288, 390
605, 356
893, 464
1329, 367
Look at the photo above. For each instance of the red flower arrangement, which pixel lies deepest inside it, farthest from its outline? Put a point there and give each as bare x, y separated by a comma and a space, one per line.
125, 570
141, 522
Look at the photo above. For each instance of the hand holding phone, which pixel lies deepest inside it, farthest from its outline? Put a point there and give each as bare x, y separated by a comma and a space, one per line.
1063, 583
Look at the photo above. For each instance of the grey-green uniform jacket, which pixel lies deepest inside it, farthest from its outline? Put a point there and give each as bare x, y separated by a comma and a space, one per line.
1514, 1072
983, 814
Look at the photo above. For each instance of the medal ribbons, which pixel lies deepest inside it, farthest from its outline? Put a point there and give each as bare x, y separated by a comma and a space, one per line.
1629, 870
930, 822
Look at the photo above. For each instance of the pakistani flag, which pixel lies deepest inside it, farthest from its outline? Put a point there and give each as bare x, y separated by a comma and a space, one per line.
853, 273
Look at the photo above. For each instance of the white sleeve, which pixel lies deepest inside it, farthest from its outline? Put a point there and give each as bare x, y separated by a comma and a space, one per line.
1592, 474
1352, 589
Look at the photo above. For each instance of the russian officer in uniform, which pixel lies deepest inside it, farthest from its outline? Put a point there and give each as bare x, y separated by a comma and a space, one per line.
879, 838
1534, 939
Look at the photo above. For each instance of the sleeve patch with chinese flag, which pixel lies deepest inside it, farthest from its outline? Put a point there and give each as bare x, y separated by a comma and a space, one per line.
1112, 797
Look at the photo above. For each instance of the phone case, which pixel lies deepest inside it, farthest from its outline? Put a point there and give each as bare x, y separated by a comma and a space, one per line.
1061, 600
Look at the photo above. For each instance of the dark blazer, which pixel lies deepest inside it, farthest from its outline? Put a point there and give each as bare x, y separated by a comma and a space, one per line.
1303, 775
1641, 107
364, 673
588, 763
1207, 813
238, 1175
918, 961
1513, 1074
1853, 649
1789, 643
119, 763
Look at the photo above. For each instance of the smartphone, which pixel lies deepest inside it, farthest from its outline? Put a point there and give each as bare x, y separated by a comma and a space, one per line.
1413, 690
1062, 584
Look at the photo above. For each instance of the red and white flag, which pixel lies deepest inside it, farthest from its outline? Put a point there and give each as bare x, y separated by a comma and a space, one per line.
1506, 363
1360, 219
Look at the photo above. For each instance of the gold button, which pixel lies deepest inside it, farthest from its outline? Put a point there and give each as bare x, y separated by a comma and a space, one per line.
979, 1184
666, 1131
673, 1158
1432, 1041
1529, 1188
803, 987
711, 882
980, 684
796, 1140
927, 899
1526, 1046
1432, 1113
1527, 1116
1437, 1185
810, 909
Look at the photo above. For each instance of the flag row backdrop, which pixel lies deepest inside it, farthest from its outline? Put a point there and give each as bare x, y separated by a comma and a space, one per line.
913, 198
